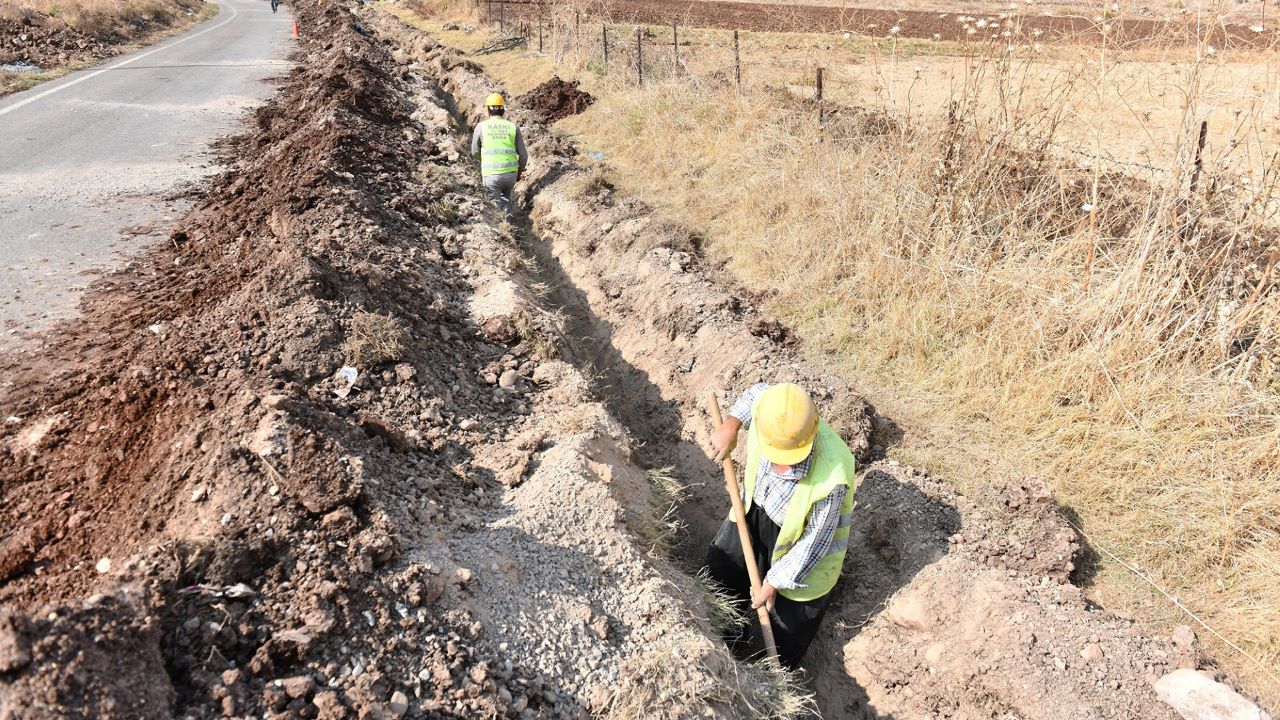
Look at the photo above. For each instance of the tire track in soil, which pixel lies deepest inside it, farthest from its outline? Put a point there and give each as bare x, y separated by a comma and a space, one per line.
949, 606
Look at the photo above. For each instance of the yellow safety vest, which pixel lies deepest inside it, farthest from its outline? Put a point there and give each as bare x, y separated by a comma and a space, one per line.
498, 154
832, 465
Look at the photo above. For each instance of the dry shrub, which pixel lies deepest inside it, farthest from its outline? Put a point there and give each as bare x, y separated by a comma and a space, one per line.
375, 339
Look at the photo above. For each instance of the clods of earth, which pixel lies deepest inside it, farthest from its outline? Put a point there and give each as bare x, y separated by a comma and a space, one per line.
347, 445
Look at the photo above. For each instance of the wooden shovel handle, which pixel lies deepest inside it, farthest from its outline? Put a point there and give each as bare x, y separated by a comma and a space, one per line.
744, 537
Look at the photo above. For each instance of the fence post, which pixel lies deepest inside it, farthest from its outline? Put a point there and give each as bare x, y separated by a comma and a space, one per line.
639, 60
577, 30
818, 96
1195, 173
604, 39
675, 45
488, 11
502, 14
539, 34
737, 65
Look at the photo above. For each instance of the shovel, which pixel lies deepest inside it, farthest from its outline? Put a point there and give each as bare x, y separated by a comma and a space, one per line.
744, 538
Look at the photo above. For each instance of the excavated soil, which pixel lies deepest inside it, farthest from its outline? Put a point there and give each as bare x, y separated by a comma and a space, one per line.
555, 99
348, 446
46, 41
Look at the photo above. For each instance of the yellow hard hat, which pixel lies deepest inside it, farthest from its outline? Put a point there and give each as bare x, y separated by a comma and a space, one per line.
787, 421
494, 100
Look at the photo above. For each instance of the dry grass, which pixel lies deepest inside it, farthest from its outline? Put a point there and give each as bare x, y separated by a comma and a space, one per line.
1117, 335
659, 686
662, 525
375, 339
110, 21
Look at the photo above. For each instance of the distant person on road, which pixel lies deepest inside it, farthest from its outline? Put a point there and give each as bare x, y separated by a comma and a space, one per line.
797, 489
499, 146
274, 5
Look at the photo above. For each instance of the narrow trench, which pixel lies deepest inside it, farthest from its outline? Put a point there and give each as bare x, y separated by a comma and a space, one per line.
625, 390
659, 417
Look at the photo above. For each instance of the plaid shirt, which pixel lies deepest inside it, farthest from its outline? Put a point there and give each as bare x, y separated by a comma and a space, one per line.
773, 494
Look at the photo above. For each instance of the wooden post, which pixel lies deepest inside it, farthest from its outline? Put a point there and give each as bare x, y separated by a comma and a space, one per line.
502, 14
539, 34
675, 44
488, 11
604, 39
577, 29
737, 66
639, 60
1195, 173
818, 97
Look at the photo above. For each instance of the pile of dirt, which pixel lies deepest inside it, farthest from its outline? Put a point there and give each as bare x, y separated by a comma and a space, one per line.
555, 99
199, 475
48, 41
951, 606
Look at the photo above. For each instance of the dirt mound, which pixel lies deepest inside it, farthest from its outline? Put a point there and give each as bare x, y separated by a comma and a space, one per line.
556, 99
45, 42
316, 536
50, 41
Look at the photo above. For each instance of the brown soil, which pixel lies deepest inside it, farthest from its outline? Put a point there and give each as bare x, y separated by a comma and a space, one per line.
927, 24
204, 519
46, 41
556, 99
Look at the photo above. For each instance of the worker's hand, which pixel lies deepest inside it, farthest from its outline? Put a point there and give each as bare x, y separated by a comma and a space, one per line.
765, 596
519, 175
725, 438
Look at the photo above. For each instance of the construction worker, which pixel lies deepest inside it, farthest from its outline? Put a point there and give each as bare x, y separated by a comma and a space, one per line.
499, 146
797, 488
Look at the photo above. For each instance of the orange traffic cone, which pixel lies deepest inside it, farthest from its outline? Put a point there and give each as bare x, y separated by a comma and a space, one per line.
295, 29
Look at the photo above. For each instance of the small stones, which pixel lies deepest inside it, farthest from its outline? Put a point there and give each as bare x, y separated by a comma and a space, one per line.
299, 686
405, 372
103, 566
399, 704
200, 493
508, 379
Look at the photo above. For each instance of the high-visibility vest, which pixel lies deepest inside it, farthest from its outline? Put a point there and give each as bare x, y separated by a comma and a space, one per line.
498, 154
832, 465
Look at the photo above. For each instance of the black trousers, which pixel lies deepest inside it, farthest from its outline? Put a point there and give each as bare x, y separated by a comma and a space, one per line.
794, 623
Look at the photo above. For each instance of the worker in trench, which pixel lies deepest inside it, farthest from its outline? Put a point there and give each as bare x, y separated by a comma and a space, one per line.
797, 488
499, 146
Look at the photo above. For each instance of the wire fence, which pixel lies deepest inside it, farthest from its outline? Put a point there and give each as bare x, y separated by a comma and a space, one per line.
594, 39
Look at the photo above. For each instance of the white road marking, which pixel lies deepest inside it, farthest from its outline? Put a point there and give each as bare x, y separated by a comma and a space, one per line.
121, 64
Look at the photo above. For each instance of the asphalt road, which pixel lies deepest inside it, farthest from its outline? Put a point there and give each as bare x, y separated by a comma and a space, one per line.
87, 161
